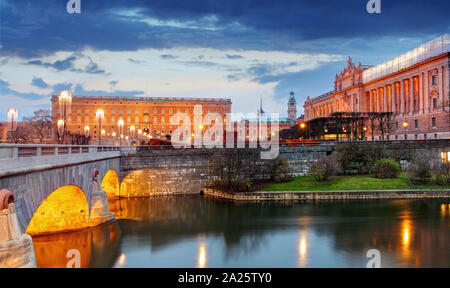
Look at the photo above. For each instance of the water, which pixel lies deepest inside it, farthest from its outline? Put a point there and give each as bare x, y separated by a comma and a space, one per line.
194, 231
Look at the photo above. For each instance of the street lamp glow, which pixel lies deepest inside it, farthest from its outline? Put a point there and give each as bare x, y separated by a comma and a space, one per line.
405, 124
302, 125
86, 131
100, 115
65, 101
132, 130
120, 123
13, 116
60, 125
114, 134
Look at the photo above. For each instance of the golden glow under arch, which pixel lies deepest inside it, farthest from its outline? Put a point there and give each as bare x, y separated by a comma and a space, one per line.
63, 210
110, 184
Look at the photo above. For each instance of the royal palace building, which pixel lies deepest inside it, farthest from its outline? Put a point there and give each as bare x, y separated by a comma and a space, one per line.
144, 115
413, 86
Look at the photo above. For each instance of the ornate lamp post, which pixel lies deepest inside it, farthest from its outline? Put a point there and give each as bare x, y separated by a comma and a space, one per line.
100, 115
120, 124
65, 101
60, 125
139, 135
13, 117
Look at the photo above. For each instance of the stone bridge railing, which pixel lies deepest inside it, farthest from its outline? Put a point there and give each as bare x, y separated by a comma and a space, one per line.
16, 159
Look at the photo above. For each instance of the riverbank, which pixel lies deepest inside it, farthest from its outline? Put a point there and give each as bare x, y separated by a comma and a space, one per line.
328, 195
351, 183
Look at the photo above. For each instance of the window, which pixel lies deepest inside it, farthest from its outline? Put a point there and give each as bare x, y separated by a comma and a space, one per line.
425, 136
406, 137
435, 136
435, 102
415, 137
433, 121
416, 123
396, 137
434, 80
112, 111
445, 156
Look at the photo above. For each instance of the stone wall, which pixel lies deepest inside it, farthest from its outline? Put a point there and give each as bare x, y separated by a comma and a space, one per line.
185, 171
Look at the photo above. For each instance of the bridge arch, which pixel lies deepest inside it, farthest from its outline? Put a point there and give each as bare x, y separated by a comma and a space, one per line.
110, 184
64, 209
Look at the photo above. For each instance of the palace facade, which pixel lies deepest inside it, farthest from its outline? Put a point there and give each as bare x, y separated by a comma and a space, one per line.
414, 86
149, 115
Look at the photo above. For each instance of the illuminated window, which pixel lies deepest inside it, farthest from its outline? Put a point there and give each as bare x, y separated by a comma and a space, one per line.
445, 156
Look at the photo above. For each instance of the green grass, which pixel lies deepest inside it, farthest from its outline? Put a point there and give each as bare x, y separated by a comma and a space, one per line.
365, 182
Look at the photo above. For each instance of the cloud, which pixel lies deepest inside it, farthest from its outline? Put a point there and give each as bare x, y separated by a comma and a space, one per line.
168, 56
38, 82
234, 56
135, 61
33, 29
68, 64
6, 91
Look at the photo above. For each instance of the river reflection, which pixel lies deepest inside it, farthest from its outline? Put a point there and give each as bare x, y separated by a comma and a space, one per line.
194, 231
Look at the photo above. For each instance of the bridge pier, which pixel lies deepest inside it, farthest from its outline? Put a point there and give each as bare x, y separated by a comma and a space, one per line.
16, 247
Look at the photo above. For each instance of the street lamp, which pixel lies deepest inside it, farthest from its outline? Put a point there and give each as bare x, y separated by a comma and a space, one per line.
302, 125
100, 115
132, 130
86, 131
120, 124
60, 125
13, 116
65, 101
405, 124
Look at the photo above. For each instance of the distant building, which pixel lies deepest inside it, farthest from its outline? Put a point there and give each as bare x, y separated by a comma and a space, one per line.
292, 107
414, 86
151, 115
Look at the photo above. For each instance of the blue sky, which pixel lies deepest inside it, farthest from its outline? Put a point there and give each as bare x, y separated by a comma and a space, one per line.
243, 50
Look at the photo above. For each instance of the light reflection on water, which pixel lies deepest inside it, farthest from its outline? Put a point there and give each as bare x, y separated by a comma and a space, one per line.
193, 231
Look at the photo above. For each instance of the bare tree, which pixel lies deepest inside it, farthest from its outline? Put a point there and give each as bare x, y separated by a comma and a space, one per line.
23, 134
41, 121
2, 131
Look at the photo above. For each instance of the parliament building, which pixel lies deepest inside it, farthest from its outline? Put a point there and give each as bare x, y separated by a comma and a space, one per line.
413, 86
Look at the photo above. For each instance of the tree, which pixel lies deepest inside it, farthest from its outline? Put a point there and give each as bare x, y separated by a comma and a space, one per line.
3, 129
23, 134
41, 121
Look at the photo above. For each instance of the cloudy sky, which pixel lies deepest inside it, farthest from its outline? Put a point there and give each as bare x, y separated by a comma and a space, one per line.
239, 49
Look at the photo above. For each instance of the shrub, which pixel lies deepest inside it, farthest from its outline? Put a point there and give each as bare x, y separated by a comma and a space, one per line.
323, 168
385, 168
360, 158
243, 185
420, 172
442, 172
279, 170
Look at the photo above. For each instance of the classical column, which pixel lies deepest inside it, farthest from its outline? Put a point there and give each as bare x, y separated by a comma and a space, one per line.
447, 86
385, 99
411, 95
421, 93
393, 95
370, 102
426, 94
402, 96
378, 96
441, 81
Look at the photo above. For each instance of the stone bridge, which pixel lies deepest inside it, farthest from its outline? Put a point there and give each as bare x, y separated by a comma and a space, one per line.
54, 189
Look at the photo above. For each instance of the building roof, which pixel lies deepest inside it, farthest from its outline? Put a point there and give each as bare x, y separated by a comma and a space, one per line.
149, 99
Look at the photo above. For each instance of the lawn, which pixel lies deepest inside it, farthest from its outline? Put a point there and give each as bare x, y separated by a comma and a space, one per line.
365, 182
